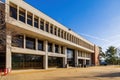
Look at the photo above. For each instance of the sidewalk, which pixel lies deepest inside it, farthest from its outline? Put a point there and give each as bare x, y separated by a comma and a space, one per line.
90, 73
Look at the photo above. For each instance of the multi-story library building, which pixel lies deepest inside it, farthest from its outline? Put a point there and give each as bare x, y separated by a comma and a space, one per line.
36, 41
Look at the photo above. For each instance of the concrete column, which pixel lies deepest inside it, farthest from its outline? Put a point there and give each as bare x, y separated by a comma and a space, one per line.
66, 35
38, 22
65, 58
33, 20
90, 63
59, 49
17, 12
53, 47
45, 61
36, 44
8, 52
44, 25
63, 34
7, 10
84, 62
24, 42
26, 16
49, 27
76, 58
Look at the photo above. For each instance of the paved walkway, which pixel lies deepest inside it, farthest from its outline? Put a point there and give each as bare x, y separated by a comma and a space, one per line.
91, 73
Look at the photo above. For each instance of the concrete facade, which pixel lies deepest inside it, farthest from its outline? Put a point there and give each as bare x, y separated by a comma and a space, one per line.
58, 35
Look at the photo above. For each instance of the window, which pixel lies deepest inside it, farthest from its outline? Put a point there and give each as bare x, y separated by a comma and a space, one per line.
55, 62
13, 11
47, 26
61, 34
40, 45
58, 32
29, 18
67, 36
22, 15
49, 47
55, 29
62, 50
30, 43
26, 61
36, 22
56, 49
18, 41
42, 24
51, 29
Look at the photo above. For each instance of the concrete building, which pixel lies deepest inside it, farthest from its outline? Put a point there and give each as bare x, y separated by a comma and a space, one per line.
41, 42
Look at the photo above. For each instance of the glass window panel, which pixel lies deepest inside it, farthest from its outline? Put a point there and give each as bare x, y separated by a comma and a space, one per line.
22, 15
36, 22
13, 11
51, 29
42, 24
56, 49
49, 47
40, 45
29, 19
62, 50
26, 61
47, 27
55, 62
30, 43
18, 41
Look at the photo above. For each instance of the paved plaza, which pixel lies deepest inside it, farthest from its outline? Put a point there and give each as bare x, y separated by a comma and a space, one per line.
90, 73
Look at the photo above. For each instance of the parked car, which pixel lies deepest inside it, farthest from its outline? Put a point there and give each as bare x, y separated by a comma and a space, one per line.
103, 63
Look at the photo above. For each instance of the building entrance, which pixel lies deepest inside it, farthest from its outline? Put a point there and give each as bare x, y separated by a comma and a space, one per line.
70, 57
55, 62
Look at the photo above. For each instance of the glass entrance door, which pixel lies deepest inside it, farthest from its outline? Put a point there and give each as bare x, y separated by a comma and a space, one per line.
70, 57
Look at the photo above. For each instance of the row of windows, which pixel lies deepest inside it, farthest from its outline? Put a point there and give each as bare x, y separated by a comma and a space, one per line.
84, 54
30, 43
33, 20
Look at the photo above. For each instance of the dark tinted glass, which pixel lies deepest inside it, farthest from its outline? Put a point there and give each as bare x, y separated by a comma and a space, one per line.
49, 47
2, 60
40, 45
62, 52
27, 61
30, 43
18, 41
55, 62
29, 19
22, 16
13, 12
47, 27
70, 57
36, 22
51, 29
42, 25
56, 49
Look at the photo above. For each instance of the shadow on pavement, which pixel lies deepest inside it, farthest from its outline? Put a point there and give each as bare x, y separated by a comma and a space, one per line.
117, 74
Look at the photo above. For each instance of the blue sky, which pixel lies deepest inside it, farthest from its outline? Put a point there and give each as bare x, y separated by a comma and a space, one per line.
96, 20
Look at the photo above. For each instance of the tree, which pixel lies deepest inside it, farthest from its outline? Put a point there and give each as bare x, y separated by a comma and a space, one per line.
6, 31
101, 54
3, 29
111, 55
